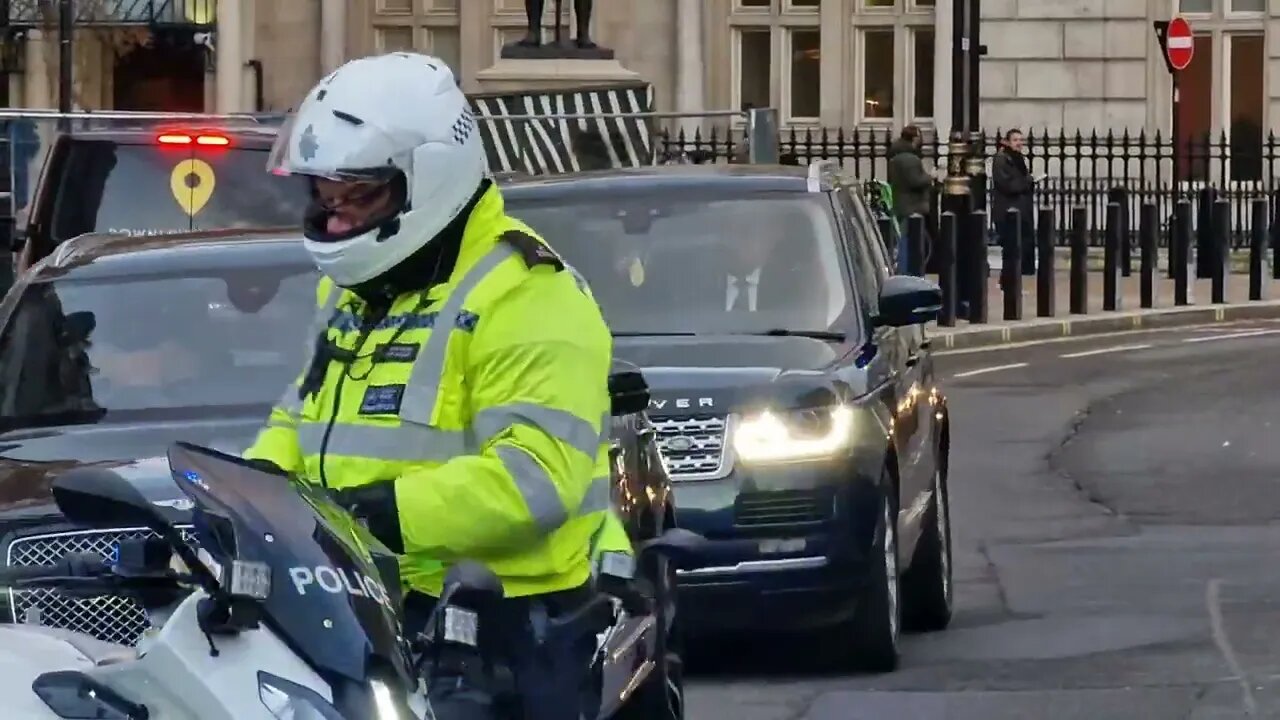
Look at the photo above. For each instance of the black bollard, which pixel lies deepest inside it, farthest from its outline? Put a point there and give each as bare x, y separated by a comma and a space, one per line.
1220, 251
946, 259
915, 245
1180, 237
1120, 196
1204, 232
1273, 234
1149, 231
1111, 259
978, 270
890, 237
1011, 266
1046, 293
1257, 248
1079, 290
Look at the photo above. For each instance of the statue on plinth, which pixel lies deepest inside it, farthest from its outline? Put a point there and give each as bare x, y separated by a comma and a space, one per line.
582, 46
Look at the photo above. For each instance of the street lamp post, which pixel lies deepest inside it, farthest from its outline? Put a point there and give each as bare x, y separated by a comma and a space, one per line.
66, 29
957, 189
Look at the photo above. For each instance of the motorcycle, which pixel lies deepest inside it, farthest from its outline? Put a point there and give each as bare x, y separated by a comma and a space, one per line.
285, 609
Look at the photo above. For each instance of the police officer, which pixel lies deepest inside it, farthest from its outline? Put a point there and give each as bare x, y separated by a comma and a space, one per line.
457, 395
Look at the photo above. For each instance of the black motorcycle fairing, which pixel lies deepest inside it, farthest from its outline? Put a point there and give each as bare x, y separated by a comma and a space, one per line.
327, 600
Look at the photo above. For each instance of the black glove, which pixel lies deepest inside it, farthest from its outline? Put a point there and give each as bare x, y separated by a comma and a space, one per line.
375, 504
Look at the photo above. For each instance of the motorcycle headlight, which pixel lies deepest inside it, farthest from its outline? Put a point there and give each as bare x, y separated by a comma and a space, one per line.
794, 435
287, 700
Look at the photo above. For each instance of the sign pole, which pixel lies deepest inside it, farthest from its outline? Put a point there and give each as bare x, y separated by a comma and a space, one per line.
1175, 130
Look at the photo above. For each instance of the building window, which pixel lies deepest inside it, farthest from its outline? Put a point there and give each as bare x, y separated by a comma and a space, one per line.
893, 80
1223, 91
804, 90
877, 74
429, 26
776, 57
922, 40
390, 39
754, 68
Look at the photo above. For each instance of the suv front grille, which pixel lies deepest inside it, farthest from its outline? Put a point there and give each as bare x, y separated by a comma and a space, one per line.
110, 619
693, 446
784, 507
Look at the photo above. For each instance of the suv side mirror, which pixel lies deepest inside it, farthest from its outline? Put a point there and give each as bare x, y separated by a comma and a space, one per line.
629, 393
98, 497
908, 300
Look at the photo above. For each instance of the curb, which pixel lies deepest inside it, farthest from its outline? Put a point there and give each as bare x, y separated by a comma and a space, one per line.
1043, 329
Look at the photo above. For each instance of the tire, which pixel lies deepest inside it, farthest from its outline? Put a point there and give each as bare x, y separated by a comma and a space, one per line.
872, 634
661, 695
928, 592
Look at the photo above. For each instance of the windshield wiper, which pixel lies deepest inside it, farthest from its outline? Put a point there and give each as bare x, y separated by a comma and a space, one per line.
815, 334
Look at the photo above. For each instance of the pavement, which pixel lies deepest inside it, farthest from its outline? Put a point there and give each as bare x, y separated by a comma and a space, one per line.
1115, 504
1130, 316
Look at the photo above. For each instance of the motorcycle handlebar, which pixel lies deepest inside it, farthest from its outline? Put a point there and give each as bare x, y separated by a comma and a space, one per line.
77, 565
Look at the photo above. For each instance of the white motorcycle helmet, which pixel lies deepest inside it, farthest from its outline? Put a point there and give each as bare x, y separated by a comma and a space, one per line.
398, 119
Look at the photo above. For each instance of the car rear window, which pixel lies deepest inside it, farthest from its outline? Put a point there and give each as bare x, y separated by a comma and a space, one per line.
156, 189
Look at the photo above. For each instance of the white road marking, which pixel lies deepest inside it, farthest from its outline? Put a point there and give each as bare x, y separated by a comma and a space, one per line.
1213, 602
985, 370
1230, 336
1104, 351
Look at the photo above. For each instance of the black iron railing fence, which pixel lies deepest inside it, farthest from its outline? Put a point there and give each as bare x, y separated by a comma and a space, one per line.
1079, 169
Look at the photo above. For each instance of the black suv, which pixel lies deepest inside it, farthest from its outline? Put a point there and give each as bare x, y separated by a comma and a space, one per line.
793, 390
155, 181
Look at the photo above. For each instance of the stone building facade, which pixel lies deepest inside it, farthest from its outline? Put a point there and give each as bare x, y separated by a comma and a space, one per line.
1051, 64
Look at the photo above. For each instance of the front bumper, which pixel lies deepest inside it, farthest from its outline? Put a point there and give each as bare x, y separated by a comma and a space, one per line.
787, 545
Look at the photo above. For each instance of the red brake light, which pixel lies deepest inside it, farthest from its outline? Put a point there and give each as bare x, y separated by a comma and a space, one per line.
206, 139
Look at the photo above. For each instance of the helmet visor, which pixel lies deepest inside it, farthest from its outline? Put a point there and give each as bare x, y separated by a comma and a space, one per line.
302, 151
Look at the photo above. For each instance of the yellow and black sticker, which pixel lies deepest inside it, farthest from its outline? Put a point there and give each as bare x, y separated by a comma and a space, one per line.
192, 182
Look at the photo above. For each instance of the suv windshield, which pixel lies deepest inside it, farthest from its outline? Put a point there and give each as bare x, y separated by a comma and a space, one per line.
712, 264
74, 349
155, 189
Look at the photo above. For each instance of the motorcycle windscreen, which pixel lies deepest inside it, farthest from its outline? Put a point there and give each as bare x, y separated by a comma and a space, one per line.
328, 599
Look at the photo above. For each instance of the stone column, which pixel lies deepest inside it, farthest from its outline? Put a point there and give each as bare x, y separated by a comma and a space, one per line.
333, 34
249, 50
690, 64
37, 86
229, 53
944, 13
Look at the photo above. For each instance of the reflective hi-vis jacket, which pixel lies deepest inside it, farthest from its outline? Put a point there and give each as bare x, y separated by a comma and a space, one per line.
485, 399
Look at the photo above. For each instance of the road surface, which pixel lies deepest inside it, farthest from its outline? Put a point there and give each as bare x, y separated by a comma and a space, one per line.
1117, 553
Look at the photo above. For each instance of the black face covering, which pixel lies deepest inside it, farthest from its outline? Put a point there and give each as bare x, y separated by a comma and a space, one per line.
431, 264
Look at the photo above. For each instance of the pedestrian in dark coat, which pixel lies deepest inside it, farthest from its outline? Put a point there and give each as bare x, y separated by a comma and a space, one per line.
1013, 186
912, 185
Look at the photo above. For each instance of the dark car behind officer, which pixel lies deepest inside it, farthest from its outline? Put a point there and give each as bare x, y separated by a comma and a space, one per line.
457, 397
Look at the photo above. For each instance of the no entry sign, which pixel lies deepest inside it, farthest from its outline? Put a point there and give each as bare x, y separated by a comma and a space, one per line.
1180, 46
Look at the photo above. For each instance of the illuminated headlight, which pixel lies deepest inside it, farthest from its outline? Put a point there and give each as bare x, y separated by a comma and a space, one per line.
794, 435
287, 700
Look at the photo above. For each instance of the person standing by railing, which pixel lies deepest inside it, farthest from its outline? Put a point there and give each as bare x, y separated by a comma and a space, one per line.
911, 185
1013, 186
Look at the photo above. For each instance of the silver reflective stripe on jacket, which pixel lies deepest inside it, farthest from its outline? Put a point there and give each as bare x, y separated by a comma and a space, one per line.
420, 393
